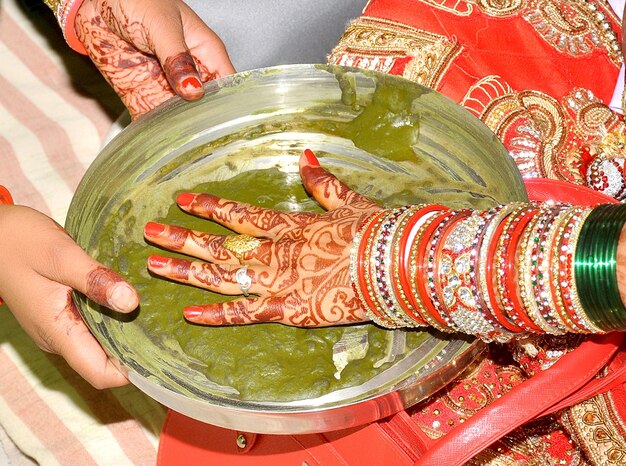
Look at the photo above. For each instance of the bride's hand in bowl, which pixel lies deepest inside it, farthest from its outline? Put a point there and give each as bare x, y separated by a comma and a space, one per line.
294, 265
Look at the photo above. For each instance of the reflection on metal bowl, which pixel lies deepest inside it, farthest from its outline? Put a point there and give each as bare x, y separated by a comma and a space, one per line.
388, 138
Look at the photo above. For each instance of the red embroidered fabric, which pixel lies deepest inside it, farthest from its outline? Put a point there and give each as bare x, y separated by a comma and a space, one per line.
540, 74
517, 41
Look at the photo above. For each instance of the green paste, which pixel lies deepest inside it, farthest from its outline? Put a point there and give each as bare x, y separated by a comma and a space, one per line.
263, 361
393, 157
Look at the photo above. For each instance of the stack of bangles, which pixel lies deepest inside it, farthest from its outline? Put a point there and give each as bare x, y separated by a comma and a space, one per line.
497, 274
5, 198
65, 12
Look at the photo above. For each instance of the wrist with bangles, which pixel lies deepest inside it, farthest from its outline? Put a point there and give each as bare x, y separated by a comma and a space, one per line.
5, 198
65, 13
497, 274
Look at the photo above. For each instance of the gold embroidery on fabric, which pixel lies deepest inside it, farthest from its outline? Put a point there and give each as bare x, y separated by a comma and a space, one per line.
485, 398
613, 144
482, 393
489, 457
531, 122
57, 8
607, 10
592, 116
597, 133
500, 8
456, 7
483, 93
379, 44
598, 429
572, 27
52, 4
531, 442
547, 138
497, 8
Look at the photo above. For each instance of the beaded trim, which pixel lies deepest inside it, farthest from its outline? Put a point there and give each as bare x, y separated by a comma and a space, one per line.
497, 274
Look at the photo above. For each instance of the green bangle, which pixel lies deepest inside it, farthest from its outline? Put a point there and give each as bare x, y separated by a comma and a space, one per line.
595, 267
583, 273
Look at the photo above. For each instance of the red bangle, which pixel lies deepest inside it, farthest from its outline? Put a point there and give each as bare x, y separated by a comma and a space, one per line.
518, 313
491, 292
5, 198
419, 279
402, 287
553, 273
418, 299
66, 15
361, 271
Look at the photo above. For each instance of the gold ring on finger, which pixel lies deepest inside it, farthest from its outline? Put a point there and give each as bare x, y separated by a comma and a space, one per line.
239, 245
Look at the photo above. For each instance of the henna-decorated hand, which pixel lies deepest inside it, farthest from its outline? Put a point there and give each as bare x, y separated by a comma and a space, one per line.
40, 266
150, 50
299, 270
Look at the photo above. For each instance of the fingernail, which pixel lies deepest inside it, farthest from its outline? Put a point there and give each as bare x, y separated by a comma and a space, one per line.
122, 297
191, 81
192, 312
157, 262
153, 229
311, 158
185, 199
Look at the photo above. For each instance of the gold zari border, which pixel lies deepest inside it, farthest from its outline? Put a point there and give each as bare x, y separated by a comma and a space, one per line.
376, 44
598, 430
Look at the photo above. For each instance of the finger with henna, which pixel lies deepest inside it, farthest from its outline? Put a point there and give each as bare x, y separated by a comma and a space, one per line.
326, 188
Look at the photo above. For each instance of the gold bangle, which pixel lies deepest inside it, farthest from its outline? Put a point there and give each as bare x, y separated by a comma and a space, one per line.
525, 267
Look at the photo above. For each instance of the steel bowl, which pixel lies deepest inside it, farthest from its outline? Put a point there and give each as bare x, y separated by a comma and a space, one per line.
394, 140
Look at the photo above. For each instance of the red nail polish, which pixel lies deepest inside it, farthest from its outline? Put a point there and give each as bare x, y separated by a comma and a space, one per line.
157, 262
153, 229
192, 81
185, 199
5, 196
311, 158
192, 312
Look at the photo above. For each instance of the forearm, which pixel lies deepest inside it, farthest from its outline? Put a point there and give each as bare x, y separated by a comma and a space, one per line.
496, 274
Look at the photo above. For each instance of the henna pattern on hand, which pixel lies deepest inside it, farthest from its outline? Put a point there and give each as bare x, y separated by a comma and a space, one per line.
205, 74
304, 277
306, 281
123, 50
136, 77
99, 281
181, 72
332, 188
70, 309
178, 236
233, 214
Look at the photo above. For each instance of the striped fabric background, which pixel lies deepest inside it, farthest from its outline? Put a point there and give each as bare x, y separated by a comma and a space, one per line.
55, 110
